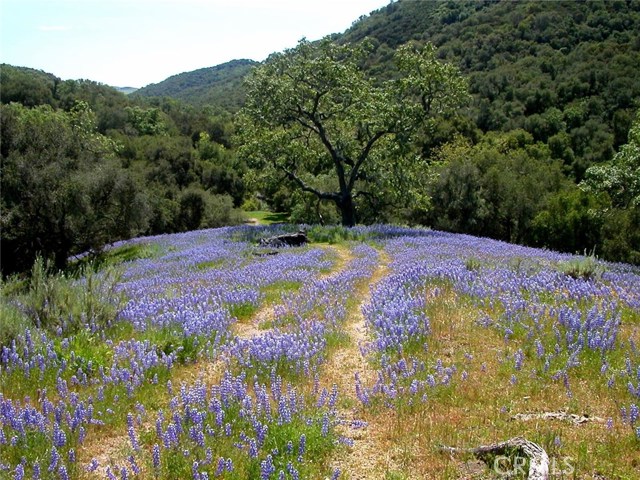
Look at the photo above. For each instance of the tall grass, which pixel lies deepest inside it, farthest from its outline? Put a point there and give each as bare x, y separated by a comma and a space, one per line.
59, 302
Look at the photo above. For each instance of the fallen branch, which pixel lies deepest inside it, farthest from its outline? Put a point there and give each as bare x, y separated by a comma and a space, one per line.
563, 416
538, 458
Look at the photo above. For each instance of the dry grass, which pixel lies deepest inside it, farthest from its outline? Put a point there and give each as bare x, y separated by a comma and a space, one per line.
479, 409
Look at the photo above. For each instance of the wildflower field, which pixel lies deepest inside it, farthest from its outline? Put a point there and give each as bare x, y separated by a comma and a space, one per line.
359, 356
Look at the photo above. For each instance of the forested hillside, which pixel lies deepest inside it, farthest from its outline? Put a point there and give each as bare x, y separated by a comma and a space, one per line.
564, 71
219, 86
543, 153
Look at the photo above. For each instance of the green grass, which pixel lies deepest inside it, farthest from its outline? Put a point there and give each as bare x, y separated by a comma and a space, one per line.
267, 218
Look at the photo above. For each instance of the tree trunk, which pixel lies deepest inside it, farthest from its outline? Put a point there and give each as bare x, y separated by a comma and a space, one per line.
347, 210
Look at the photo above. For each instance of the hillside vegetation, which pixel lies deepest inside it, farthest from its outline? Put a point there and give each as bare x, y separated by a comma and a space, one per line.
219, 86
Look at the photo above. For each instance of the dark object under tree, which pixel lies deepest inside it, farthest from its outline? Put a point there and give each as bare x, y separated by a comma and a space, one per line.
287, 240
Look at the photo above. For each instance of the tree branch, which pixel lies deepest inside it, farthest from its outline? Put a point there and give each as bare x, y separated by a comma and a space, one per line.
307, 188
363, 156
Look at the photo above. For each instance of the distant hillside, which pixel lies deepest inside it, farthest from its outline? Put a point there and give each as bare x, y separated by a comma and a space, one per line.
26, 85
127, 90
219, 86
565, 71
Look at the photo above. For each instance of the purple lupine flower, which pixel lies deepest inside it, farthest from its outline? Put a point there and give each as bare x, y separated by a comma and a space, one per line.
267, 468
156, 456
110, 474
293, 471
221, 466
334, 396
93, 466
634, 411
336, 474
62, 472
19, 472
55, 458
301, 446
59, 437
325, 425
519, 359
134, 466
253, 448
132, 433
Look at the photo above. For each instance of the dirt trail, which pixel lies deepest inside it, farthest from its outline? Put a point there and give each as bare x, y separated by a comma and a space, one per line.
251, 328
365, 460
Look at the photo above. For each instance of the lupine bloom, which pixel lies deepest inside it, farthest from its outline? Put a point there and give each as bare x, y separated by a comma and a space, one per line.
19, 472
93, 466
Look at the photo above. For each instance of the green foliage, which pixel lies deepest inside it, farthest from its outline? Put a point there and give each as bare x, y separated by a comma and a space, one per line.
621, 236
201, 209
494, 188
267, 218
553, 68
619, 181
13, 323
620, 178
56, 301
26, 86
334, 234
62, 192
219, 86
569, 222
313, 117
586, 267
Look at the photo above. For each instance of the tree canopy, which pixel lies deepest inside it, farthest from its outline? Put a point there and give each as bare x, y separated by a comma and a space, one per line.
314, 117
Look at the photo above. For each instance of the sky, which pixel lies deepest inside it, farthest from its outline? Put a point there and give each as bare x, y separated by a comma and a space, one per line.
132, 43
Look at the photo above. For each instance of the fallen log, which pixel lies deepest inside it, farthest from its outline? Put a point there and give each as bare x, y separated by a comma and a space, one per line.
538, 458
562, 416
287, 240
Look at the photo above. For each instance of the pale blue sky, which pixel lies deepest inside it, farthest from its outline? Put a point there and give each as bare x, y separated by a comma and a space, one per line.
137, 42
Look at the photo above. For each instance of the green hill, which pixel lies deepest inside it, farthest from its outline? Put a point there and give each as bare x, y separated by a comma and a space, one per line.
565, 71
220, 86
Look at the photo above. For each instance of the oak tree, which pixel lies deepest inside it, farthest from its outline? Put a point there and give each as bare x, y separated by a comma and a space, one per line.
313, 116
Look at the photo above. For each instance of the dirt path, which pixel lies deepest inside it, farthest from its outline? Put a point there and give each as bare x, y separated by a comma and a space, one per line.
366, 459
251, 327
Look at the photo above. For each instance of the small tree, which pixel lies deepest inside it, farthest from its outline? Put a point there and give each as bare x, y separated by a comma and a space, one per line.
314, 117
62, 190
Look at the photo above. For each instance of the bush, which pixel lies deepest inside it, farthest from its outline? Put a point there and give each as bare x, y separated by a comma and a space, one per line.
586, 267
12, 323
62, 303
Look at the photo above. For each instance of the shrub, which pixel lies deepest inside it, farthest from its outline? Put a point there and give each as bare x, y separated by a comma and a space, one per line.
12, 323
587, 267
56, 301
